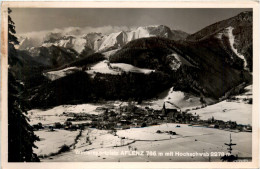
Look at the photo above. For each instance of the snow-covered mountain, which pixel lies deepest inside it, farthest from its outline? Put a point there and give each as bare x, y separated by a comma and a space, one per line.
102, 43
116, 40
76, 43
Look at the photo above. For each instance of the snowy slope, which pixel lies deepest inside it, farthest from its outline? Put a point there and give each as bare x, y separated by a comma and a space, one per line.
51, 142
54, 75
228, 32
231, 38
173, 99
103, 67
234, 111
113, 40
130, 68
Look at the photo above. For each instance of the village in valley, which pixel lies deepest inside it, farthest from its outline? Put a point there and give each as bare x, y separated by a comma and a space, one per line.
132, 116
67, 129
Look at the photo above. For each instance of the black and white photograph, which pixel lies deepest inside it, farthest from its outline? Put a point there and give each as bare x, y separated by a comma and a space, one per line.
130, 84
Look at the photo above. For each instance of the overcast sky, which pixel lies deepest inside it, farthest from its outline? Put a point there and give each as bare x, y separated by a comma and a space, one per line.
188, 20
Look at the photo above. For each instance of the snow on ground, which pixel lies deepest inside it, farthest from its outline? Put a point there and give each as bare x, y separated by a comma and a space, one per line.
51, 142
238, 110
81, 121
95, 139
188, 139
232, 41
54, 75
102, 67
148, 133
234, 111
178, 99
53, 115
130, 68
105, 67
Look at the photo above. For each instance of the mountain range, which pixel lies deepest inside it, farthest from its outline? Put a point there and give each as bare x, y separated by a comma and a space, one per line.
136, 64
99, 42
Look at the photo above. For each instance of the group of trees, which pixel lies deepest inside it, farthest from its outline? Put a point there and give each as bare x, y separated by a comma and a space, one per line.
79, 87
130, 85
21, 137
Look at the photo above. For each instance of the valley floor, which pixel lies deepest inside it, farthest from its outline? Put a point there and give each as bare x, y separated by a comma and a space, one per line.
128, 145
145, 144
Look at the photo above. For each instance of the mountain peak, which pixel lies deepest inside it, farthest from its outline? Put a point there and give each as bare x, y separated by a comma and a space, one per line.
245, 16
243, 19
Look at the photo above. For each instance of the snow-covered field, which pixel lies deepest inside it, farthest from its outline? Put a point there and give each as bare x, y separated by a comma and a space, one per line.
105, 67
148, 133
96, 139
51, 142
53, 115
188, 139
234, 111
237, 110
175, 99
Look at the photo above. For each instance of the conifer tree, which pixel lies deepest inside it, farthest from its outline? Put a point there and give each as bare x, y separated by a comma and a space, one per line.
21, 137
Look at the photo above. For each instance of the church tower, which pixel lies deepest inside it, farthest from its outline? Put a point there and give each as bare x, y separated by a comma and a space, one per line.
164, 111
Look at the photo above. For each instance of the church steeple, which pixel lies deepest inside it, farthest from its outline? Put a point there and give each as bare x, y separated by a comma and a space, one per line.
164, 111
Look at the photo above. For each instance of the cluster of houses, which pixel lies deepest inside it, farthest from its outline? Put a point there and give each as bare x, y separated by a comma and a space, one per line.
57, 125
129, 116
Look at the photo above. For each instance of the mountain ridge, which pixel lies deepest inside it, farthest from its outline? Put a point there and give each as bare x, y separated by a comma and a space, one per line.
96, 41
